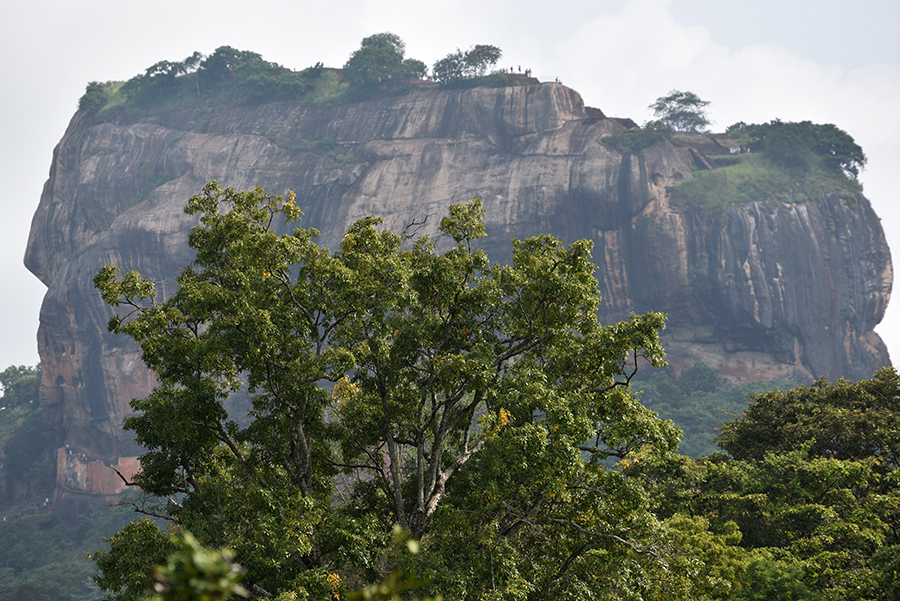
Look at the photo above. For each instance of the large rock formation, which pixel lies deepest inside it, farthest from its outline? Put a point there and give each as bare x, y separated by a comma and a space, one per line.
759, 291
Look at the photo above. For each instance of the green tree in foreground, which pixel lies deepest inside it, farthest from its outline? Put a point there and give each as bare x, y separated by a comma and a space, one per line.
812, 488
194, 573
698, 402
680, 111
27, 448
803, 145
472, 404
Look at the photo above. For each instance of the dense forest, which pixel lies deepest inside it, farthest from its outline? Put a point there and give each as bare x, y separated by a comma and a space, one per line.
42, 558
379, 66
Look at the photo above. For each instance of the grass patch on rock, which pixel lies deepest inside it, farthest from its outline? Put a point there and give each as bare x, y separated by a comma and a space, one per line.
753, 178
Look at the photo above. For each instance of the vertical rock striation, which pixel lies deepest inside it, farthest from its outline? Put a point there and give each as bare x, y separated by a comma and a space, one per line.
764, 290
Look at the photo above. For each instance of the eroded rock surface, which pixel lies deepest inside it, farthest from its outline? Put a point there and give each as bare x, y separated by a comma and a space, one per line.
761, 291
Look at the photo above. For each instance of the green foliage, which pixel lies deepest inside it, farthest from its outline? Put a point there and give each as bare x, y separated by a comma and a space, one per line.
43, 559
887, 565
194, 573
635, 140
791, 162
824, 520
126, 569
476, 406
699, 402
380, 61
29, 450
814, 490
397, 585
26, 442
95, 97
226, 75
244, 77
20, 385
115, 102
220, 69
327, 89
159, 80
755, 179
845, 420
458, 67
481, 57
444, 394
449, 69
702, 563
681, 111
767, 578
804, 146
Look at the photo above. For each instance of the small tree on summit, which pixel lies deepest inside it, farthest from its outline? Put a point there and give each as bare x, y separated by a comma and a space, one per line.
681, 111
480, 58
380, 58
471, 64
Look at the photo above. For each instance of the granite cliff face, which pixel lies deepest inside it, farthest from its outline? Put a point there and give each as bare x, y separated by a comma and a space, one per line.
764, 290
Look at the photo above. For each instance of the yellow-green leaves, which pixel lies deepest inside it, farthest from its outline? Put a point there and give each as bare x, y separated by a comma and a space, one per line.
466, 222
307, 399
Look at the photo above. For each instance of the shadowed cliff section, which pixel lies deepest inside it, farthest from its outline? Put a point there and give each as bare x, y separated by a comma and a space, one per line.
764, 290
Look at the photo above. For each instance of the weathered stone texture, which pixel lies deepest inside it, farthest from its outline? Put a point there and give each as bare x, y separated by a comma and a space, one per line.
766, 290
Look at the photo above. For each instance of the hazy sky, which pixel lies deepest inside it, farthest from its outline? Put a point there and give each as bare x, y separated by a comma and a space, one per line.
820, 60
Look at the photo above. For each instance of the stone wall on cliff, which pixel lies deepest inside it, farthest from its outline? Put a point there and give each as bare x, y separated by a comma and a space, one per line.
760, 291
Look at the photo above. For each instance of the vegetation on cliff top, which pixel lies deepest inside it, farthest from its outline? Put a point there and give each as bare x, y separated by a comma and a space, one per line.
244, 77
784, 161
462, 69
788, 162
379, 63
792, 173
226, 75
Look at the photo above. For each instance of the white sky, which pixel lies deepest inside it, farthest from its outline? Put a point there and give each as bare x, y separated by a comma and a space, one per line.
827, 61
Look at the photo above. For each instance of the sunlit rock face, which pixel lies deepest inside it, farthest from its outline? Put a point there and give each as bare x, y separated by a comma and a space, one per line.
759, 291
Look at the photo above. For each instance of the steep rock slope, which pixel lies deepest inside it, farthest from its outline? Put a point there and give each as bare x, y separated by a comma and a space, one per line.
764, 290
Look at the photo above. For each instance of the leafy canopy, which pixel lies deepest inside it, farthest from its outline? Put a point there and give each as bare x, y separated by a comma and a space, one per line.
804, 145
471, 64
380, 61
680, 111
845, 420
812, 488
27, 445
698, 402
387, 383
